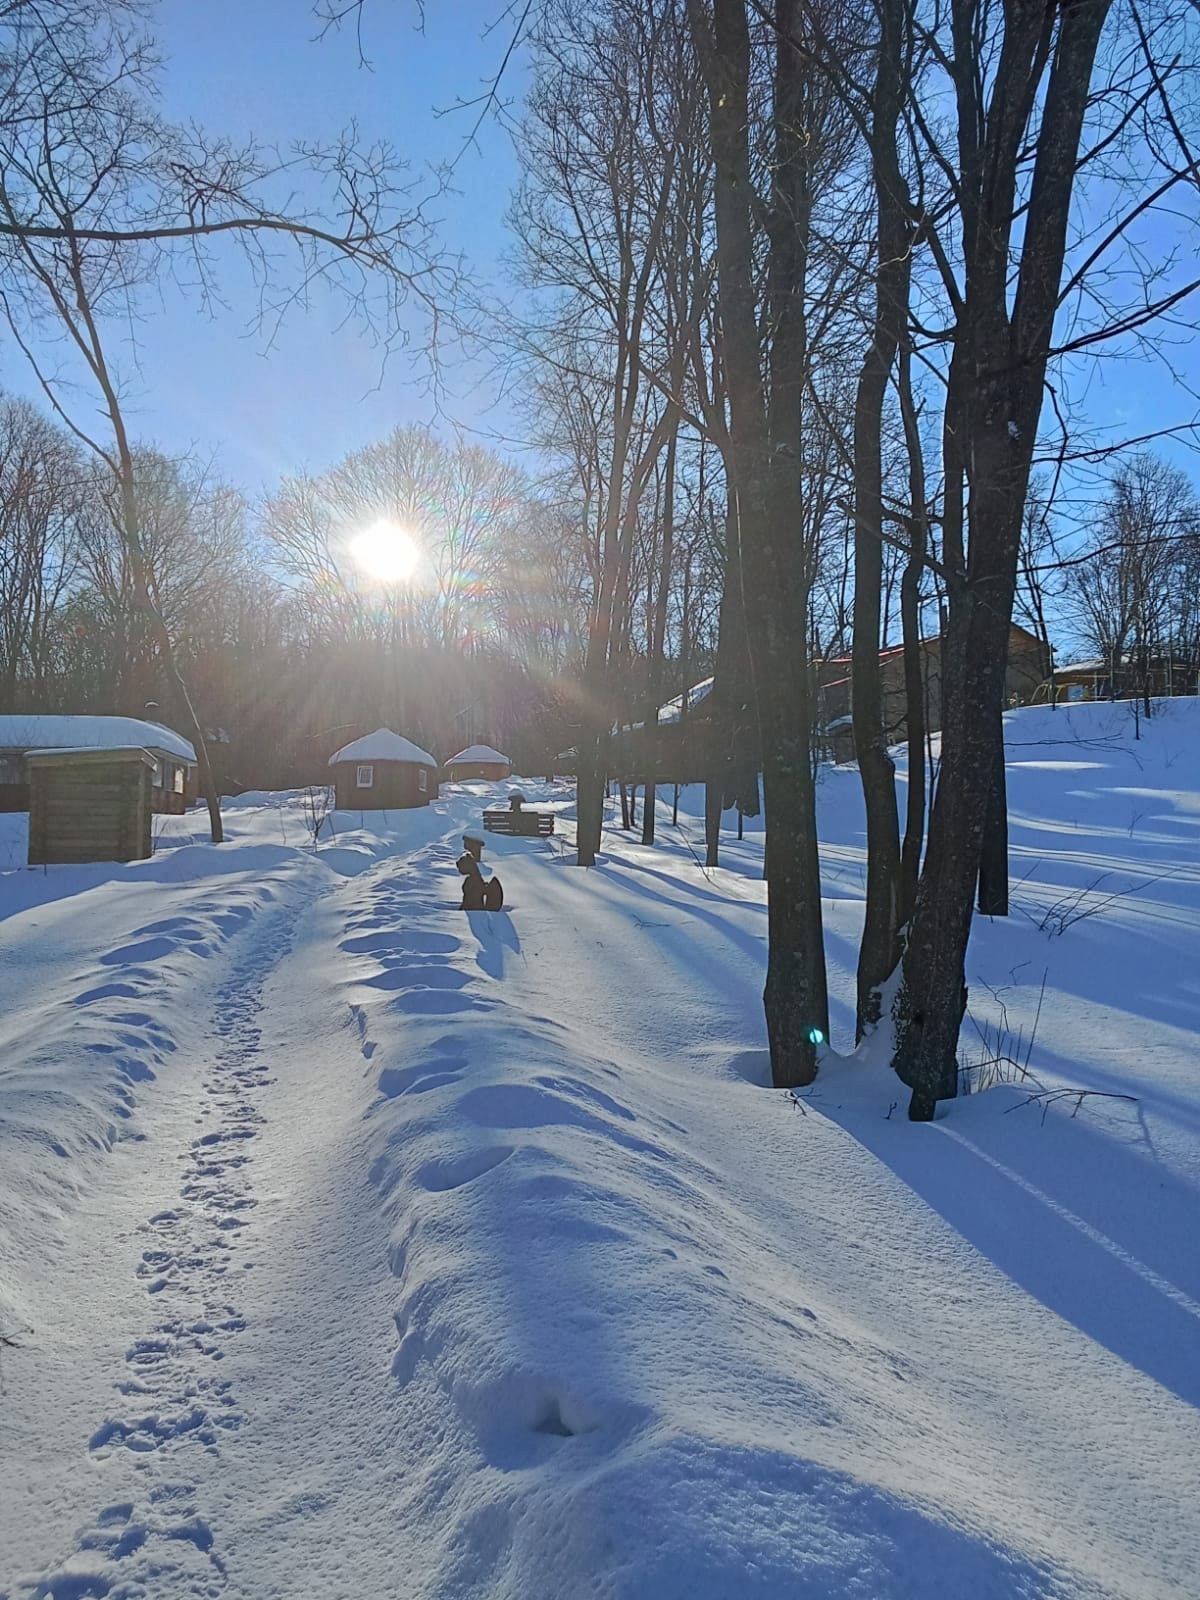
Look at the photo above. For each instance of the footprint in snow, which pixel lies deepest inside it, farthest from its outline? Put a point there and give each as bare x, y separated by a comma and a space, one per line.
412, 976
438, 1002
107, 991
156, 949
455, 1172
407, 943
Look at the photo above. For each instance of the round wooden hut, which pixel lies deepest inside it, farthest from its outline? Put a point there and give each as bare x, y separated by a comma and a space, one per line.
478, 761
383, 772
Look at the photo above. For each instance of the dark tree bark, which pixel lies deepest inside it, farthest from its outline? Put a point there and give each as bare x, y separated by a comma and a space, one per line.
910, 625
733, 745
880, 947
993, 407
993, 856
765, 448
658, 640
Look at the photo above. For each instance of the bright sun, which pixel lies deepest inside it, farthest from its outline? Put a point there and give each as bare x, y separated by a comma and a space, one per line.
387, 552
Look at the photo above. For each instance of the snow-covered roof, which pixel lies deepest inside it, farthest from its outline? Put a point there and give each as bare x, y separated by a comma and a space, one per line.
25, 733
477, 752
382, 745
673, 710
90, 750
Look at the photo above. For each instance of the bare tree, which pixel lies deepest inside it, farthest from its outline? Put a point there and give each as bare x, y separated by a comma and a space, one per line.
1130, 585
460, 505
99, 194
765, 434
43, 490
601, 150
1021, 82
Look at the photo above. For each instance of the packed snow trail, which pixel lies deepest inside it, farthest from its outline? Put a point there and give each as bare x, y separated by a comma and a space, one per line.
476, 1262
175, 1398
172, 1408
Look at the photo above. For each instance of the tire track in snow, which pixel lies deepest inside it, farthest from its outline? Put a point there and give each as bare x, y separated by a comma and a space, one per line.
174, 1400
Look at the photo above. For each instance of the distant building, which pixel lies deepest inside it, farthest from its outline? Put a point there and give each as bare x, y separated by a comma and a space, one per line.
383, 772
173, 774
683, 740
1028, 667
478, 761
692, 743
1159, 673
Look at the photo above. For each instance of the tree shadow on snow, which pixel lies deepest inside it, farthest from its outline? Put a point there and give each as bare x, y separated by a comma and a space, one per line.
1070, 1209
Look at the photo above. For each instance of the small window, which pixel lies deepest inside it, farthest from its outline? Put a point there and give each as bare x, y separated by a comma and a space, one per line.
178, 780
422, 780
365, 779
157, 778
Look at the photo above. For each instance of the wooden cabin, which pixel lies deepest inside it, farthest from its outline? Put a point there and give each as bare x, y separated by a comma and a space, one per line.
174, 774
90, 805
477, 761
1028, 666
1160, 673
383, 771
686, 743
691, 743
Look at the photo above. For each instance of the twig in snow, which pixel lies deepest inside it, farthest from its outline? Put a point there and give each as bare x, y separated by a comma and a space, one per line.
703, 868
1073, 908
1005, 1058
1048, 1097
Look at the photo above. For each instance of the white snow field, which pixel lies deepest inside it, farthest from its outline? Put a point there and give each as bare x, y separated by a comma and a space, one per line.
352, 1245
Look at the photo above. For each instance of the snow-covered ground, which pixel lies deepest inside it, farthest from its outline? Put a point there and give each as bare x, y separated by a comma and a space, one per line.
354, 1245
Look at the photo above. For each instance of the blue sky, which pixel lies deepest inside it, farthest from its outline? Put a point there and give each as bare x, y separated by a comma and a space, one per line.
257, 67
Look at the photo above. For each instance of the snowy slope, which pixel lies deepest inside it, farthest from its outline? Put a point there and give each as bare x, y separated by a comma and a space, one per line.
452, 1254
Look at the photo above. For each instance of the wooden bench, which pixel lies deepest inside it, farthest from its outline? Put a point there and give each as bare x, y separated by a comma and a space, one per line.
520, 824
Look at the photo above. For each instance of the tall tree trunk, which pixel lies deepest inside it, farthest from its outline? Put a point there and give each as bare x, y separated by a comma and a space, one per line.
590, 770
765, 448
993, 855
732, 746
713, 795
658, 641
994, 401
880, 947
910, 625
914, 716
148, 607
87, 335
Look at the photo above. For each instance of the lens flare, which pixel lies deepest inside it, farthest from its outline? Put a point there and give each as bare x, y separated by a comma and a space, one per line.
386, 552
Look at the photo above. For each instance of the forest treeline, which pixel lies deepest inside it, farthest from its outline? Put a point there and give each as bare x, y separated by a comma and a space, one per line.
288, 642
807, 294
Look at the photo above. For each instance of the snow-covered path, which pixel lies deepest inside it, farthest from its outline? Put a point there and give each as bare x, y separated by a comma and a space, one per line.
122, 1359
383, 1249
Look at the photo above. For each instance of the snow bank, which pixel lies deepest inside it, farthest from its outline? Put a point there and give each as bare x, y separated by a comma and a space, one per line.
687, 1338
538, 1290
